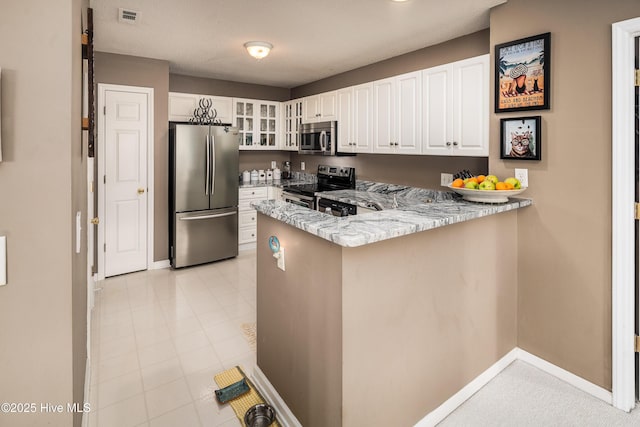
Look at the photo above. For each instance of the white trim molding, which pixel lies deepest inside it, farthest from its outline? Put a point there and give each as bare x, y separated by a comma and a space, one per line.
623, 249
566, 376
451, 404
266, 389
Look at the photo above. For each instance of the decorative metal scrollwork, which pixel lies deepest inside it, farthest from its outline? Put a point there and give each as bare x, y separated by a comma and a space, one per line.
204, 114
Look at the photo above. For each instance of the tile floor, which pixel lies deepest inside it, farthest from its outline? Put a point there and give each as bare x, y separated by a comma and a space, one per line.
159, 337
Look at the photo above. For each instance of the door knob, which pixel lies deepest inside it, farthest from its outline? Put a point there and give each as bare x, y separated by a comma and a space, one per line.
95, 221
140, 190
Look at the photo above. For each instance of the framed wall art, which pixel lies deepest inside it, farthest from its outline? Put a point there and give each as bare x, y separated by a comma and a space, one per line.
521, 138
522, 74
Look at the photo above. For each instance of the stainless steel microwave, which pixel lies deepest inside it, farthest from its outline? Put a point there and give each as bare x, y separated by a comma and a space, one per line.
318, 138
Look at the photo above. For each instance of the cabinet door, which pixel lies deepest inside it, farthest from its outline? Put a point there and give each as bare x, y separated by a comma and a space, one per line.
471, 107
362, 125
408, 88
311, 109
267, 119
328, 106
437, 110
244, 119
384, 112
181, 106
345, 120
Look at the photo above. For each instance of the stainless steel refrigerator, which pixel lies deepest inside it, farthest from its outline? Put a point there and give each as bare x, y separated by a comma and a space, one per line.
203, 193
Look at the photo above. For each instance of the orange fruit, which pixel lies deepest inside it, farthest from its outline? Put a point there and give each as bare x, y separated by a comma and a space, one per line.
473, 179
501, 186
480, 178
457, 183
509, 185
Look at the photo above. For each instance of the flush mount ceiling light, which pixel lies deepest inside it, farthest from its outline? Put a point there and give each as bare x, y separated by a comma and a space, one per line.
258, 49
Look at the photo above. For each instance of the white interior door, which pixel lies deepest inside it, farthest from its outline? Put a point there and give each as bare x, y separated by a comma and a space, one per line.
125, 181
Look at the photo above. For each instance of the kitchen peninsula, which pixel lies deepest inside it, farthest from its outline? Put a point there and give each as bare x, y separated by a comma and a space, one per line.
379, 318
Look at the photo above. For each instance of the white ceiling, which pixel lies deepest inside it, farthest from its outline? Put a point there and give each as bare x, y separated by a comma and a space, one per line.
312, 39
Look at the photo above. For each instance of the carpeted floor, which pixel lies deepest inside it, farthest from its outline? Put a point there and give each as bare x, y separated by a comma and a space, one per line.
523, 395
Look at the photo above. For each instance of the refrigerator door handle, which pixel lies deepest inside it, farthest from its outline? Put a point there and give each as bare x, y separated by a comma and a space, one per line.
212, 160
207, 174
196, 218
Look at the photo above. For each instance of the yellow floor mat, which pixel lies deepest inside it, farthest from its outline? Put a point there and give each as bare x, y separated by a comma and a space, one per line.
241, 404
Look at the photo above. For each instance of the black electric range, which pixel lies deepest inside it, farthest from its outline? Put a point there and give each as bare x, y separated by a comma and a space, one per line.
329, 178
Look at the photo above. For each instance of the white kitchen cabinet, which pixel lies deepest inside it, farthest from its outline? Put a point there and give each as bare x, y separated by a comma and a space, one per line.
292, 119
456, 108
182, 106
355, 119
257, 122
397, 114
248, 216
319, 108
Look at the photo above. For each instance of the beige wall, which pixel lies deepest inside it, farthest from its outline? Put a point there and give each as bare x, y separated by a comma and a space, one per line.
42, 186
564, 298
250, 160
199, 85
406, 322
299, 320
154, 73
425, 314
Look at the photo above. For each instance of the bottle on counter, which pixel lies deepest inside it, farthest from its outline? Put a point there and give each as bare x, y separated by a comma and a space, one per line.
286, 170
246, 177
277, 174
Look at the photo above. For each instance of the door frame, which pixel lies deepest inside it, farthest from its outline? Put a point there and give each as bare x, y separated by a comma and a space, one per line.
102, 89
623, 250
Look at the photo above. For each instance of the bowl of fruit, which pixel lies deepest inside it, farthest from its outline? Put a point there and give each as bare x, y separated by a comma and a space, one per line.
487, 189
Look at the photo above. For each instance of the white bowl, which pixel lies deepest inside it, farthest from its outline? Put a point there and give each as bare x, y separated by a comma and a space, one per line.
486, 196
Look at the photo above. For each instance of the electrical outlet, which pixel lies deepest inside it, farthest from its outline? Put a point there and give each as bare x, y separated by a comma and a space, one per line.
446, 178
301, 166
522, 175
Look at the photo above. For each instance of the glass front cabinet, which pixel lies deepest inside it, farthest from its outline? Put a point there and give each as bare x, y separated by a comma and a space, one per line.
292, 120
257, 122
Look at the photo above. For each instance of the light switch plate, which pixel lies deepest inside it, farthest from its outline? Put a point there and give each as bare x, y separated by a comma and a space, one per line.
446, 178
3, 260
522, 175
279, 256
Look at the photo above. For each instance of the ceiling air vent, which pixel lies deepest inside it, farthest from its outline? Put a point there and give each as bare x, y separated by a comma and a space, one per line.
128, 16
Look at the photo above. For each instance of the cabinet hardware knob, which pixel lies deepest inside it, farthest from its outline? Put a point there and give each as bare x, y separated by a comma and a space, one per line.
448, 144
140, 190
455, 143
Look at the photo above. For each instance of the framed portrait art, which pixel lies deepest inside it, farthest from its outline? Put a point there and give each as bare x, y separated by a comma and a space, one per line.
520, 138
522, 74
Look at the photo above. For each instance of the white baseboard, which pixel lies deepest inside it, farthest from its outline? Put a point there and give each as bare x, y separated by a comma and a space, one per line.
450, 405
159, 265
284, 414
566, 376
87, 391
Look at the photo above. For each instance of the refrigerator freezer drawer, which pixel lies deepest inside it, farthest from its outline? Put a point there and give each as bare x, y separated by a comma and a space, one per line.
205, 236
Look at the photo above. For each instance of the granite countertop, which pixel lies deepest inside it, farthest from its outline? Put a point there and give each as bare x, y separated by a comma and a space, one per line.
418, 210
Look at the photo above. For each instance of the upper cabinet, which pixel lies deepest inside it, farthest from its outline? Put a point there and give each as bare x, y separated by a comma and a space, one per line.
456, 108
355, 119
292, 119
183, 105
257, 122
319, 108
397, 114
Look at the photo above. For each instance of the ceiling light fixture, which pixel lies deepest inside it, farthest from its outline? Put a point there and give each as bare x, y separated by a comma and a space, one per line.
258, 49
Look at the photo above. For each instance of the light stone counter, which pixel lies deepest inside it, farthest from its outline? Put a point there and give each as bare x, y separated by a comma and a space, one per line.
418, 210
